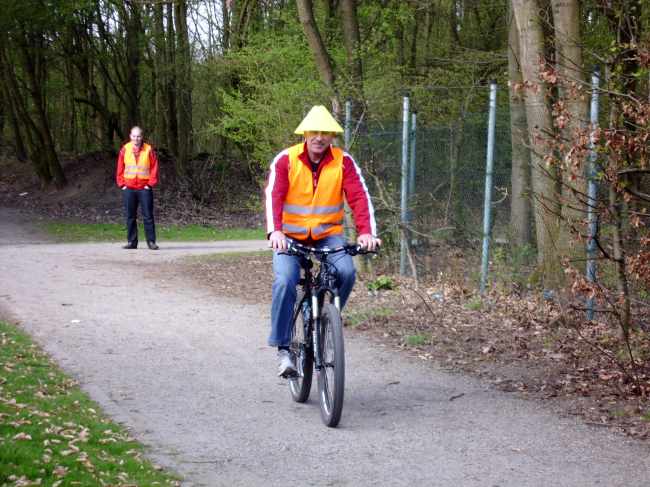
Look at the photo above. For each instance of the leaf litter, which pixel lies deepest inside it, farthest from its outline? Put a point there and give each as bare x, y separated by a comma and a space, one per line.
521, 343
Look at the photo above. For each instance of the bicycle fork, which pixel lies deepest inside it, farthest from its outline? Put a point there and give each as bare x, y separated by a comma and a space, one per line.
315, 314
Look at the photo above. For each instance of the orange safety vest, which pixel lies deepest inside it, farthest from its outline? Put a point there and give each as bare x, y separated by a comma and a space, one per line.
313, 213
136, 169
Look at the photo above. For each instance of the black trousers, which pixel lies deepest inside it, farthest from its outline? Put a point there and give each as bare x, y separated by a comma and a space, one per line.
133, 198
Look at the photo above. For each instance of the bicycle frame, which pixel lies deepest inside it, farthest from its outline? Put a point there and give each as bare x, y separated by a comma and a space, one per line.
315, 289
320, 343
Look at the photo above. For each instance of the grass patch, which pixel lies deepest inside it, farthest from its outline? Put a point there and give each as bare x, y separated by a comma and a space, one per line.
416, 340
357, 317
52, 434
474, 304
113, 232
227, 256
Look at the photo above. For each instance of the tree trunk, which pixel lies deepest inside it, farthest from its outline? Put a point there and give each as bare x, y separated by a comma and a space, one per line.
430, 20
454, 24
107, 122
82, 52
184, 87
520, 203
3, 116
23, 118
331, 21
618, 248
225, 22
624, 22
43, 149
413, 54
10, 111
241, 12
69, 135
21, 149
568, 52
172, 122
538, 114
330, 8
132, 86
160, 75
352, 41
399, 38
323, 63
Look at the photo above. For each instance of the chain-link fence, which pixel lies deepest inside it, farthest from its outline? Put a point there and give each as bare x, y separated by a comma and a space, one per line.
446, 192
428, 182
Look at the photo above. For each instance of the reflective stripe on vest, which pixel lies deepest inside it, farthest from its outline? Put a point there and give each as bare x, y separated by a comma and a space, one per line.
313, 213
294, 230
306, 210
136, 169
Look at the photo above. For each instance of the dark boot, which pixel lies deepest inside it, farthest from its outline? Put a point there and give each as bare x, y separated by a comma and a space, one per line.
152, 245
131, 245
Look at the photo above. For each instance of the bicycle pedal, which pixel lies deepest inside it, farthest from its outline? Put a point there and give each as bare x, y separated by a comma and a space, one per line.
291, 374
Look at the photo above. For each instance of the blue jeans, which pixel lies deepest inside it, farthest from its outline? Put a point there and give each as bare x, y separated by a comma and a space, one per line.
144, 199
286, 269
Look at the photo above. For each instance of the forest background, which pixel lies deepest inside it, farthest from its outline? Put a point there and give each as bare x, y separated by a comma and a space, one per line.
219, 87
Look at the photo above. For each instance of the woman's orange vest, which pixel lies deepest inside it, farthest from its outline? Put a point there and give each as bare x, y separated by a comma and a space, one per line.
136, 169
308, 213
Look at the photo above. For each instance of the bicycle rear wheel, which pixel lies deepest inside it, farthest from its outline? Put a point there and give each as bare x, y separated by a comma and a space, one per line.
302, 350
331, 378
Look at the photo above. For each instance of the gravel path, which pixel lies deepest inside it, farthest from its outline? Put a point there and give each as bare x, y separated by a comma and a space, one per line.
189, 373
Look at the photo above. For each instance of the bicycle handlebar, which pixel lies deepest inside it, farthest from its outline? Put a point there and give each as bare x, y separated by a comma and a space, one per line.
295, 248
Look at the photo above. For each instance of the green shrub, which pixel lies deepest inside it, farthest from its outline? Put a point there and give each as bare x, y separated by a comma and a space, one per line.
513, 266
381, 283
355, 318
274, 82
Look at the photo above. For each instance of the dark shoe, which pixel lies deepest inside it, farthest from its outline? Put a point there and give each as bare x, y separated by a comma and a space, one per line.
131, 245
152, 245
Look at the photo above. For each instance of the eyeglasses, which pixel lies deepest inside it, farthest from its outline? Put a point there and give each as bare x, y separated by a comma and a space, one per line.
315, 133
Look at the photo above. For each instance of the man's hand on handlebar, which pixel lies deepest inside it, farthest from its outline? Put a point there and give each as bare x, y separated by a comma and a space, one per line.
277, 240
368, 242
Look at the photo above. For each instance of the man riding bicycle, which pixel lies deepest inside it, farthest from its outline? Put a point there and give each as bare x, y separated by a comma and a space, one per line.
304, 201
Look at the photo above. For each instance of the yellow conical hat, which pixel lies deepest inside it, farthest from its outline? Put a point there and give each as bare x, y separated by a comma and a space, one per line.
318, 119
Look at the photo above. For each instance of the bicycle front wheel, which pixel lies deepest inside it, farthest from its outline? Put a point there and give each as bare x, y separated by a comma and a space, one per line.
331, 378
302, 350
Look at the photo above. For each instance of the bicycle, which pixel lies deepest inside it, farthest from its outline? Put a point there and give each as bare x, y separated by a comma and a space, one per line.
317, 331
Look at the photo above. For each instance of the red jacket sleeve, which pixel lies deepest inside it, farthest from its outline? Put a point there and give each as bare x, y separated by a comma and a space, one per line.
357, 196
277, 187
119, 174
153, 168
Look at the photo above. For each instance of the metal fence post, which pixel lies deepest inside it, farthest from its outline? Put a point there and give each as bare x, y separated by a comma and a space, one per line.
348, 125
412, 164
347, 131
592, 189
489, 167
404, 199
